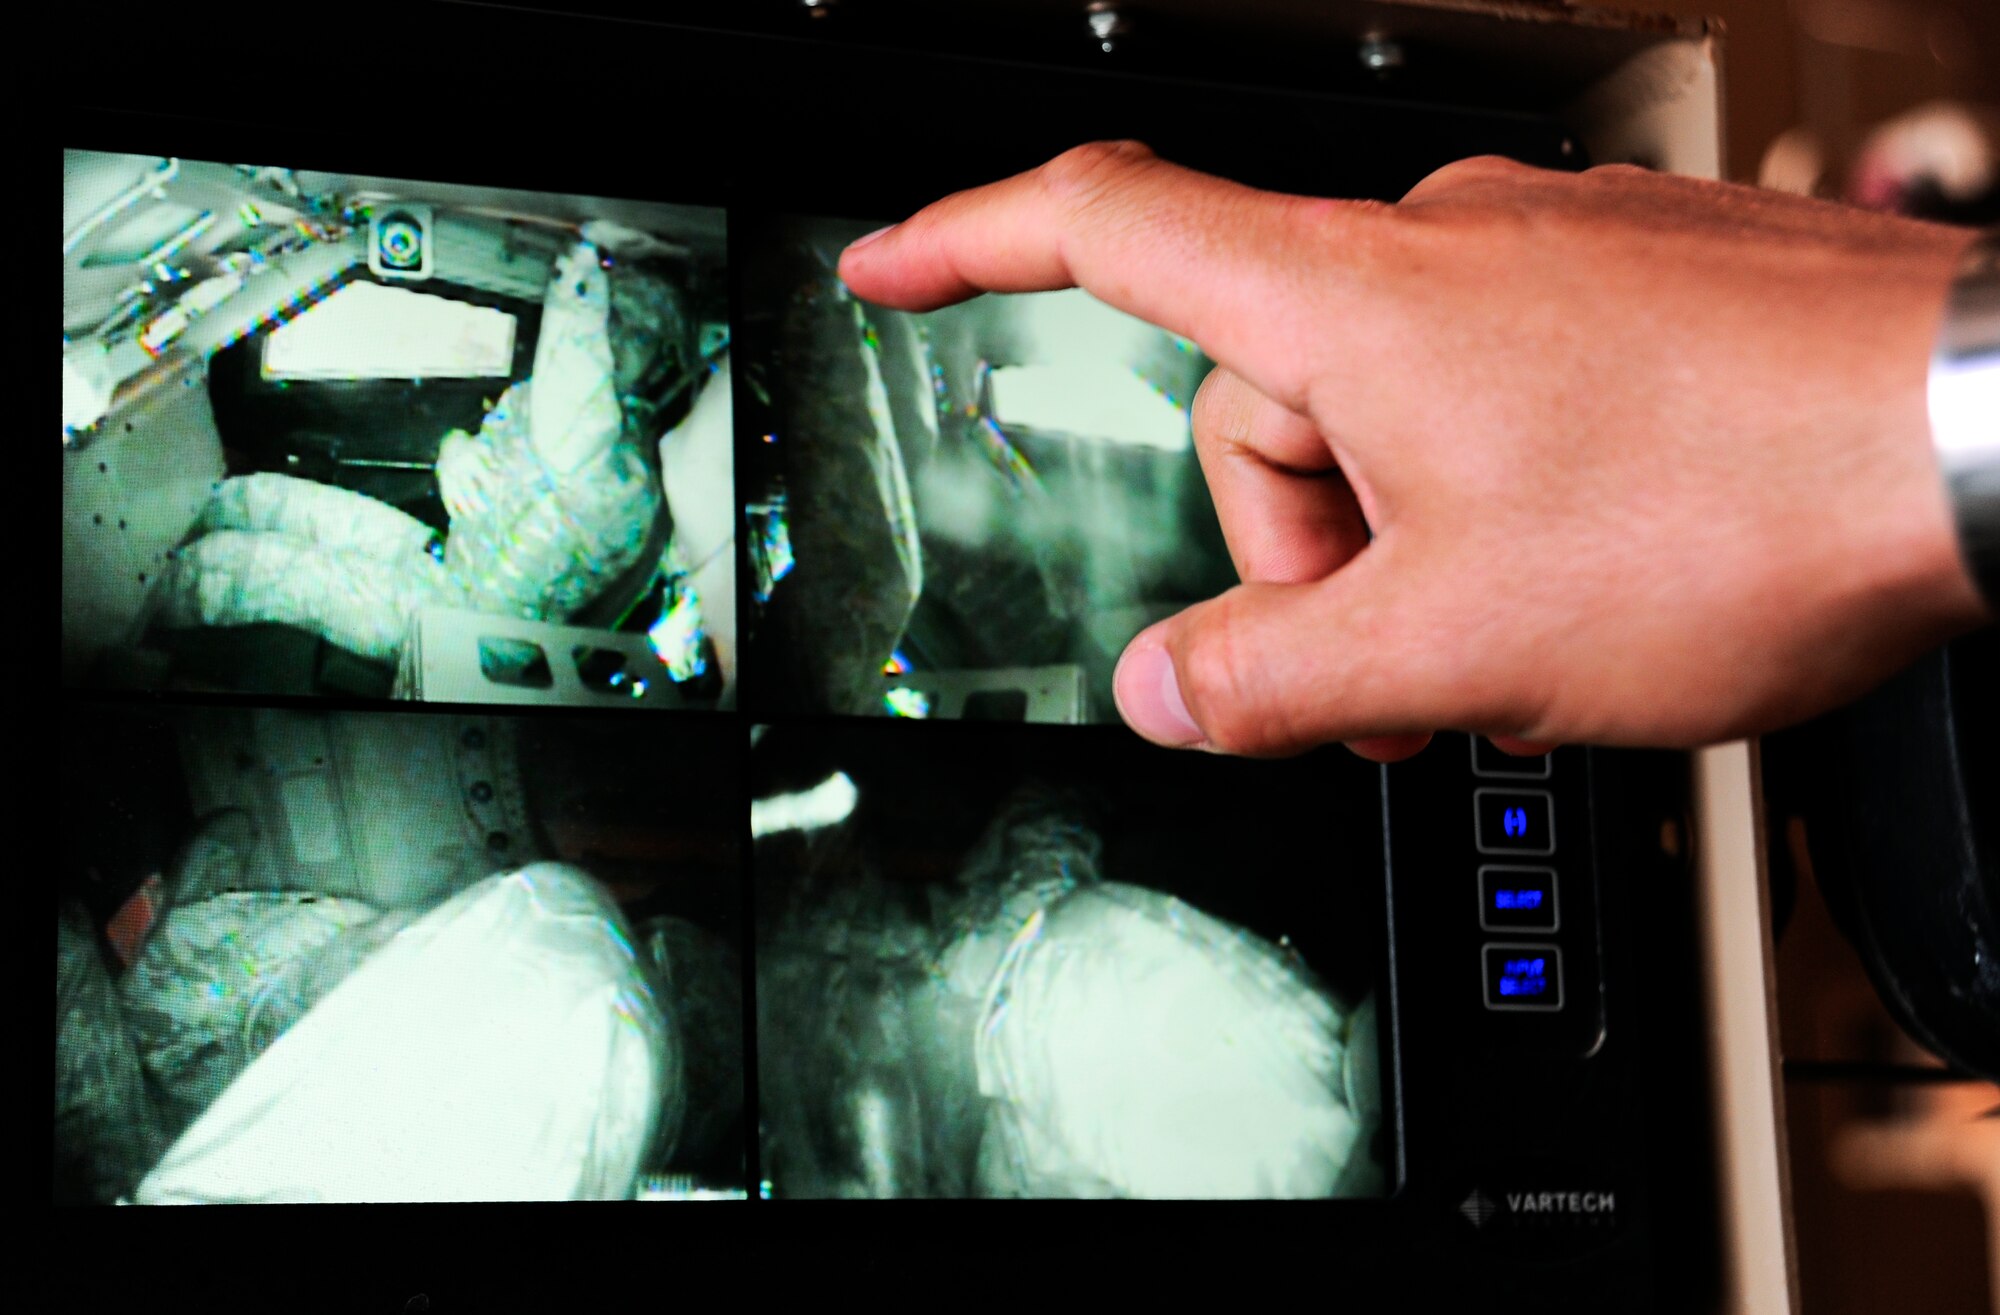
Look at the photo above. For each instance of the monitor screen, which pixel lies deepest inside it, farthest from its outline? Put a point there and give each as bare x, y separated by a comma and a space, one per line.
394, 500
335, 438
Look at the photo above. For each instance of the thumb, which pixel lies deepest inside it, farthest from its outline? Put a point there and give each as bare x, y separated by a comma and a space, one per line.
1269, 670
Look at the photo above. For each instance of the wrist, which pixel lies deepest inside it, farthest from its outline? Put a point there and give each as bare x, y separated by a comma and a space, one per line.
1898, 569
1963, 397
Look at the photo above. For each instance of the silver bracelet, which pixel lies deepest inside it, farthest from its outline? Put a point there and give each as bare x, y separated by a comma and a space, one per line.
1965, 410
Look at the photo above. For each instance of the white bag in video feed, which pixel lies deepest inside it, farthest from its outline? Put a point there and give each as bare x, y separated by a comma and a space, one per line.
505, 1046
342, 565
1137, 1047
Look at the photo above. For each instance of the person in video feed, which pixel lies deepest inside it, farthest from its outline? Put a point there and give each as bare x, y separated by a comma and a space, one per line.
1036, 1030
548, 502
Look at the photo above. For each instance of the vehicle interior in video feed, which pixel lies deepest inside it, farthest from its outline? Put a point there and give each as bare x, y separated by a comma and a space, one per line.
961, 514
343, 956
334, 434
1036, 963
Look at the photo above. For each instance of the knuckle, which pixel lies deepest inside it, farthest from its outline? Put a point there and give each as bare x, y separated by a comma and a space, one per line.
1474, 169
1486, 166
1215, 683
1086, 172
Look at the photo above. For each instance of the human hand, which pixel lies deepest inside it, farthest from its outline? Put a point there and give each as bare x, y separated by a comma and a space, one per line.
1613, 457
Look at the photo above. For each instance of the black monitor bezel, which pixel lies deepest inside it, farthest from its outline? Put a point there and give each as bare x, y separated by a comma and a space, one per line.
755, 143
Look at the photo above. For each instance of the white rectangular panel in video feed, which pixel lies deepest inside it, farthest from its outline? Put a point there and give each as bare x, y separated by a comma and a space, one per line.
368, 331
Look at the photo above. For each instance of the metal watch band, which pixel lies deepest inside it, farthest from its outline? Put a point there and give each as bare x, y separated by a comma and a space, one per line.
1965, 410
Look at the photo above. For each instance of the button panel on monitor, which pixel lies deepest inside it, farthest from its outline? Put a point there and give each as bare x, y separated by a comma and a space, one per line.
1540, 992
1514, 821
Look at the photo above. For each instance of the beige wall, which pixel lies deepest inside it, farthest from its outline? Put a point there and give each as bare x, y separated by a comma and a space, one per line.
1839, 66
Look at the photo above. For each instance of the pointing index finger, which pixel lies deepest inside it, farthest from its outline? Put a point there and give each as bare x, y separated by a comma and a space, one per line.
1202, 257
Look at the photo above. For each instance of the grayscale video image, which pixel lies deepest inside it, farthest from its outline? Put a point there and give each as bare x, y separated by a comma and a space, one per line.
339, 956
963, 514
337, 434
1025, 962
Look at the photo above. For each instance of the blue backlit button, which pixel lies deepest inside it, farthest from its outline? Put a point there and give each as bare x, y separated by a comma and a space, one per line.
1524, 977
1489, 761
1515, 821
1517, 899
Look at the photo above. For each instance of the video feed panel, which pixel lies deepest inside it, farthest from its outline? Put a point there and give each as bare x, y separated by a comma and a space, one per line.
356, 436
962, 514
1055, 962
309, 955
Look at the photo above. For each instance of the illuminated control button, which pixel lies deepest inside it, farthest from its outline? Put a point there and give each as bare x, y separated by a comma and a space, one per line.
1517, 899
1514, 821
1489, 761
1527, 977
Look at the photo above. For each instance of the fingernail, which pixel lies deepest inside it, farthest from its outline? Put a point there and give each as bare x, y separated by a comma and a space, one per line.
1149, 697
861, 242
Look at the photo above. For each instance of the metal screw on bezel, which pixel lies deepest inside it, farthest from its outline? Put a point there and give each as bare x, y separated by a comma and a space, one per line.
1106, 24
